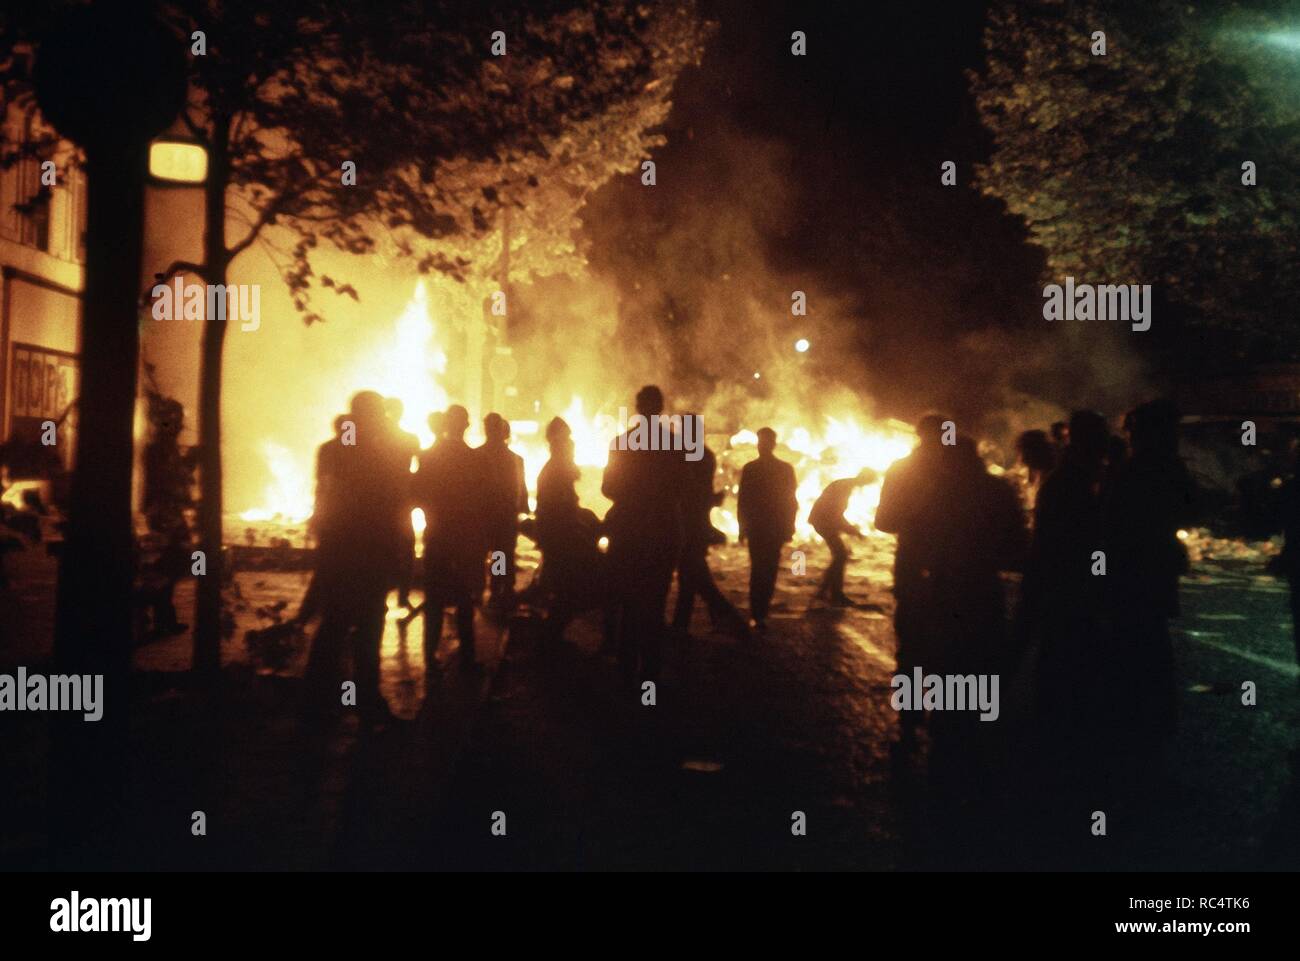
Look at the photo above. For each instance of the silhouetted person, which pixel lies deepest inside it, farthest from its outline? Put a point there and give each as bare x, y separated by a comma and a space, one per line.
828, 520
911, 490
168, 478
965, 527
407, 449
644, 526
1060, 431
980, 531
766, 505
1037, 454
567, 533
1151, 496
438, 424
694, 578
1117, 455
310, 605
1063, 598
359, 483
437, 427
504, 497
448, 487
557, 495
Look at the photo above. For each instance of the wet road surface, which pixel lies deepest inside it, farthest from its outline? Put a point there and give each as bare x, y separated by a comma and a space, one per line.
747, 737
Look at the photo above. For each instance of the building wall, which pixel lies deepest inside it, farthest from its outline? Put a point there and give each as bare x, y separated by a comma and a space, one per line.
42, 231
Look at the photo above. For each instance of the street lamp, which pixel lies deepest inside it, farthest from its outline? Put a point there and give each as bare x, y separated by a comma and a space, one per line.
178, 161
1286, 39
802, 345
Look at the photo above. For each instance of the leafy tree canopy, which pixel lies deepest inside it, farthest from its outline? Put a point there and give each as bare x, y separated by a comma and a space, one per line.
1128, 167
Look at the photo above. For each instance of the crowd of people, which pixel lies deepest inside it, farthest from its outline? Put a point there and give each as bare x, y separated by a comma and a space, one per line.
372, 474
1092, 529
1094, 533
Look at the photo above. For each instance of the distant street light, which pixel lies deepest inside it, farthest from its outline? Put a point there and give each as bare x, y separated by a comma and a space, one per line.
802, 345
178, 161
1287, 39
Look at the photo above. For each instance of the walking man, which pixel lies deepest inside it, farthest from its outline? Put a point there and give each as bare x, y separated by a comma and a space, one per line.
767, 507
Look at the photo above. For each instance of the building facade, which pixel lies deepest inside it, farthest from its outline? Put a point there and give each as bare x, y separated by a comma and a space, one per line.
42, 277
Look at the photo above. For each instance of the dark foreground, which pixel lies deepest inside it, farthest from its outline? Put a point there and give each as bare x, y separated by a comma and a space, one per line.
744, 734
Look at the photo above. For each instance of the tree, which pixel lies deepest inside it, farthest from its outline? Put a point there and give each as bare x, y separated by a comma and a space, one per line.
1128, 166
409, 92
442, 132
112, 106
545, 191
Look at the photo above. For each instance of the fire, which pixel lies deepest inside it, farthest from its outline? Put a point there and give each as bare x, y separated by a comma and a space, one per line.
410, 367
288, 496
841, 447
412, 364
591, 436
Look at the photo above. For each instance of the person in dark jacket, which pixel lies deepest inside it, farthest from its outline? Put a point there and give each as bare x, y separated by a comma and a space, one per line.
958, 528
1037, 457
645, 529
406, 449
448, 488
766, 506
828, 520
1149, 498
504, 497
982, 533
168, 482
572, 568
359, 484
1063, 591
694, 579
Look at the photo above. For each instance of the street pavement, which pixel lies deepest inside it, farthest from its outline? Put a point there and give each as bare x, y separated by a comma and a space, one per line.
747, 732
543, 761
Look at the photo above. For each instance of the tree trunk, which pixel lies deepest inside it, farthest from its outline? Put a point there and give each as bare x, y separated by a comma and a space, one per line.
207, 607
93, 627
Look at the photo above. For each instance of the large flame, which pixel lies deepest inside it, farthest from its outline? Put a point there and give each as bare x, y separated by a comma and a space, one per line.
412, 365
840, 447
288, 495
409, 367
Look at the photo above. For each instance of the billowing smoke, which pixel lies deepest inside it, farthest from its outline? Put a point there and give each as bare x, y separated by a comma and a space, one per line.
903, 313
